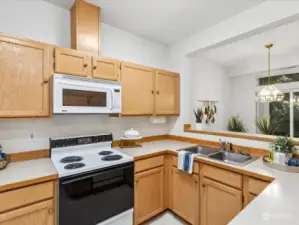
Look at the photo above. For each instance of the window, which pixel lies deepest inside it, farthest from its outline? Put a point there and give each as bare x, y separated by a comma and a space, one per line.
296, 113
286, 78
285, 113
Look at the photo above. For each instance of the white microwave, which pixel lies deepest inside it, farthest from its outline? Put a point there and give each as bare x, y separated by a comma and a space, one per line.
79, 95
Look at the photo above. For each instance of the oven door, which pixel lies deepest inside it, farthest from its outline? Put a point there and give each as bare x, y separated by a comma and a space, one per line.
94, 197
76, 96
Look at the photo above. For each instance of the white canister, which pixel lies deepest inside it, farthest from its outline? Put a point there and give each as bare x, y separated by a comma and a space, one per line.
279, 158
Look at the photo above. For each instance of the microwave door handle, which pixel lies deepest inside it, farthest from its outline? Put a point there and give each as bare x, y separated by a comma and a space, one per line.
112, 99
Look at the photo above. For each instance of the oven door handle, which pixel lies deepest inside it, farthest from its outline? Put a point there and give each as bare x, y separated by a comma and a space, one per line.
93, 175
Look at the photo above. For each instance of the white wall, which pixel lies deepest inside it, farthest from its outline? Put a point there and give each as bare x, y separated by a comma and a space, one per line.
123, 45
44, 22
210, 82
37, 20
242, 100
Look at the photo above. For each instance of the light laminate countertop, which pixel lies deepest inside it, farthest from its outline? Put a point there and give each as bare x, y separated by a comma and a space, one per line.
19, 174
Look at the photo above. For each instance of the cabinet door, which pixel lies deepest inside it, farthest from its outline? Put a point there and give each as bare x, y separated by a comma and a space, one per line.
137, 90
72, 62
219, 203
24, 78
149, 189
185, 196
250, 198
104, 68
167, 93
38, 214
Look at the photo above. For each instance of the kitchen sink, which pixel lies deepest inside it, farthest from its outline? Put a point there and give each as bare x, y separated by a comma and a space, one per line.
205, 151
221, 156
233, 158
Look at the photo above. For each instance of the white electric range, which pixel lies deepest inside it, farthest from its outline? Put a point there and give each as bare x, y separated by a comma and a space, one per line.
96, 182
76, 159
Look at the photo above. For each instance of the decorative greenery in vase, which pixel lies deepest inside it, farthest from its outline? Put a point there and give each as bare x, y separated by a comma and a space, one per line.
283, 145
268, 125
235, 124
198, 115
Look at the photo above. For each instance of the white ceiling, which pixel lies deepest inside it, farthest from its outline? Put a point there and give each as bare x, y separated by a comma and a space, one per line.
165, 21
285, 39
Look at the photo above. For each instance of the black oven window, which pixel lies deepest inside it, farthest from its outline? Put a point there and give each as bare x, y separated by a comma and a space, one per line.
84, 98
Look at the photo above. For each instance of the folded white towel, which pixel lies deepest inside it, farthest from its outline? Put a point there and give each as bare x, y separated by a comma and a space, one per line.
185, 161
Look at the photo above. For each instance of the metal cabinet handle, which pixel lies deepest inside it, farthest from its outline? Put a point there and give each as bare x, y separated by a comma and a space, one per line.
94, 67
158, 92
85, 65
137, 181
153, 92
50, 211
203, 185
45, 81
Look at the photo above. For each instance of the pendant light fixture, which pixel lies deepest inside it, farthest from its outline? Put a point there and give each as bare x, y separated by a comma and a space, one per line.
269, 93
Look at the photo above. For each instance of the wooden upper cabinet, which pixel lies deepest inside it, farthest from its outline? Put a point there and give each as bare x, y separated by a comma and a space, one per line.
149, 194
137, 89
105, 68
24, 78
185, 195
219, 203
72, 62
38, 214
85, 27
167, 93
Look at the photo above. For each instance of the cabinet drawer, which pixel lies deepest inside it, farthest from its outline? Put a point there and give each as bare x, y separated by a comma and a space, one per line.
256, 186
24, 196
149, 163
221, 175
195, 165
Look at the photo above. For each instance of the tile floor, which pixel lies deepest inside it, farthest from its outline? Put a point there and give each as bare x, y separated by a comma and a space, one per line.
166, 218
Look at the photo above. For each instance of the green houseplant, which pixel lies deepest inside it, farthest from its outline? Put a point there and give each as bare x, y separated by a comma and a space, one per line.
235, 124
199, 114
268, 125
283, 145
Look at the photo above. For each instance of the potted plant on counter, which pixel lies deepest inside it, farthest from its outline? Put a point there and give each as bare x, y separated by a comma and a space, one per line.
283, 149
268, 125
235, 124
198, 119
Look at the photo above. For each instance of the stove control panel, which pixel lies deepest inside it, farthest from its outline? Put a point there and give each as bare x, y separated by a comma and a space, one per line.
68, 142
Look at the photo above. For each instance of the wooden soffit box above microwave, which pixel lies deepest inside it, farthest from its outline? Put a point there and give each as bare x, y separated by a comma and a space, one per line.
85, 27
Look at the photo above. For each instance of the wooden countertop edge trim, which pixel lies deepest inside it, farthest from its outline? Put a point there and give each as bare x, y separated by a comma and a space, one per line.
187, 128
30, 182
29, 155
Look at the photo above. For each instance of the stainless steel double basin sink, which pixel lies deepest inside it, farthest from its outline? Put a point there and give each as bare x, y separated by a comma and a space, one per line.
228, 157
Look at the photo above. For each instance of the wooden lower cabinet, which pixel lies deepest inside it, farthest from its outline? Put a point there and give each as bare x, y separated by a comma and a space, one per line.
252, 188
219, 203
185, 195
149, 194
38, 214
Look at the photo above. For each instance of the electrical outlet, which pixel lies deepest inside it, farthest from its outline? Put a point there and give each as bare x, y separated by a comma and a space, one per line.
32, 136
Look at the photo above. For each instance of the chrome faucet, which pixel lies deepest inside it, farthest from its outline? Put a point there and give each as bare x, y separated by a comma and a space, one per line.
223, 144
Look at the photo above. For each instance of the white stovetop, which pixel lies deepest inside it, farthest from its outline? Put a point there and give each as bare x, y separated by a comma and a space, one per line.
90, 155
